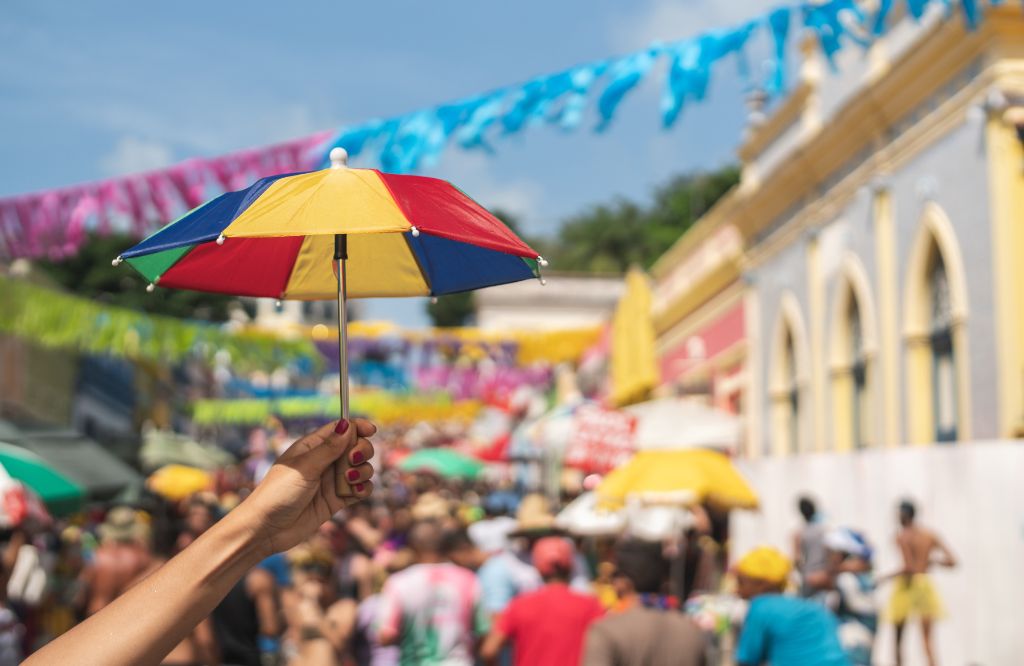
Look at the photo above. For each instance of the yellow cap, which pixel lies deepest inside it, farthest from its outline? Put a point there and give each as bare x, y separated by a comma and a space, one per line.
764, 563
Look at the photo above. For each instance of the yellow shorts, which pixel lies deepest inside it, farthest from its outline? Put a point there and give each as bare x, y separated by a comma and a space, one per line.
914, 597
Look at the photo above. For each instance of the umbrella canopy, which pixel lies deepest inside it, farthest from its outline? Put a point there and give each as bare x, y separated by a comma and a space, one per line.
678, 477
176, 482
61, 495
18, 503
634, 367
338, 232
405, 235
101, 474
444, 462
584, 517
682, 423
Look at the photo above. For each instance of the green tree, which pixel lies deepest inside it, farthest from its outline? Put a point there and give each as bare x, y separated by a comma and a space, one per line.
89, 274
609, 238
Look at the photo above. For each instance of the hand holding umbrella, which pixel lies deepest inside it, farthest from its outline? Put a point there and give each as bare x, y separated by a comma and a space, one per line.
336, 233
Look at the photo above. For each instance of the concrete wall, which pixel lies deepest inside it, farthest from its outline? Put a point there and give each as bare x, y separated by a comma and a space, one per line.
970, 494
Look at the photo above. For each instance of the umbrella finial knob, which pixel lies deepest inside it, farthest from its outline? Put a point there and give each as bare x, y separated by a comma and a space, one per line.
339, 158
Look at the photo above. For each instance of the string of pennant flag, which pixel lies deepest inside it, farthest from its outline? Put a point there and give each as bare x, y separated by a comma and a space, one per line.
54, 223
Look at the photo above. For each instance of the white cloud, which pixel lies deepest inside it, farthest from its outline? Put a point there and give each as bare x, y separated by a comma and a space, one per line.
668, 20
132, 154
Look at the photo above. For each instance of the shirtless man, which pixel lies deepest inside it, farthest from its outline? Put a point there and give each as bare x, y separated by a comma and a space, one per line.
914, 593
122, 556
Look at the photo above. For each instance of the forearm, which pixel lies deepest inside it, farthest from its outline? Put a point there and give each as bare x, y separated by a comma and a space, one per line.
145, 623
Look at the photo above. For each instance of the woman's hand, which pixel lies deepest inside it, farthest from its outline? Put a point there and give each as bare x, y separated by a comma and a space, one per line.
298, 493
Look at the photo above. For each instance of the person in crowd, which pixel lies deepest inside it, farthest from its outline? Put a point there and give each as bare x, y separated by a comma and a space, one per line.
201, 513
123, 554
366, 647
315, 601
809, 549
508, 572
645, 630
293, 500
460, 549
199, 646
353, 573
547, 626
432, 610
914, 593
247, 621
778, 629
849, 562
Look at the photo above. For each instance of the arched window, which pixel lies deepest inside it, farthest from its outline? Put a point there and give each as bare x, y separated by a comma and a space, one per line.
853, 348
935, 332
859, 376
788, 383
940, 338
791, 395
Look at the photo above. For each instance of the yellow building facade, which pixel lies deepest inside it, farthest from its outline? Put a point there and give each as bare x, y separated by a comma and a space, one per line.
863, 285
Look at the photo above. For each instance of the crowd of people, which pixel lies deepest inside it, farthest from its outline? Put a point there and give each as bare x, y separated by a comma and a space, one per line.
445, 571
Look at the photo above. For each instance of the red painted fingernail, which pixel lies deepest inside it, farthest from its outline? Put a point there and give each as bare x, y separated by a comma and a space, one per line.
341, 427
358, 487
353, 475
357, 457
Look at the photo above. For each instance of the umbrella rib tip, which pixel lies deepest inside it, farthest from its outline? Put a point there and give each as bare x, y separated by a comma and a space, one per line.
117, 261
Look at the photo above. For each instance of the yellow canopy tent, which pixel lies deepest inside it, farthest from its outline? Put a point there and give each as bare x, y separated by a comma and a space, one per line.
634, 369
685, 476
176, 482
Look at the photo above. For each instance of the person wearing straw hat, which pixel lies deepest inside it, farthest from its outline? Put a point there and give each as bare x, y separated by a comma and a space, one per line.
122, 555
509, 572
779, 629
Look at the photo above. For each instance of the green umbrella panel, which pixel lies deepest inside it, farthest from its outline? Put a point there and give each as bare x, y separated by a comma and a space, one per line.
61, 495
444, 462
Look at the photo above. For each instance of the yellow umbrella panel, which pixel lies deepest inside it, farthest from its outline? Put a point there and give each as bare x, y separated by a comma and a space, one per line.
685, 476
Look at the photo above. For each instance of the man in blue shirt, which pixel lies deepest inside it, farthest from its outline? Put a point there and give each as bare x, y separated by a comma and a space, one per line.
782, 630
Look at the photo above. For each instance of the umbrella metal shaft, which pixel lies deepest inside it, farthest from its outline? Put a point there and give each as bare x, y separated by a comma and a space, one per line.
340, 258
341, 485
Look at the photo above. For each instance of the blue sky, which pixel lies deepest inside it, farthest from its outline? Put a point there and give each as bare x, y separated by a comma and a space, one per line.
89, 90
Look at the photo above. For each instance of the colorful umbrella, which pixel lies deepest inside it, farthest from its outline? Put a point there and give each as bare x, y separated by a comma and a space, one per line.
336, 233
61, 495
444, 462
679, 477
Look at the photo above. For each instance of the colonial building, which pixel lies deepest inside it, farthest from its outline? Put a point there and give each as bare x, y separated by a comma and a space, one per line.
862, 286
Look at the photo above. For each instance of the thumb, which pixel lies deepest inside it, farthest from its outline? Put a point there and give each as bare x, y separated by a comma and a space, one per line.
324, 453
